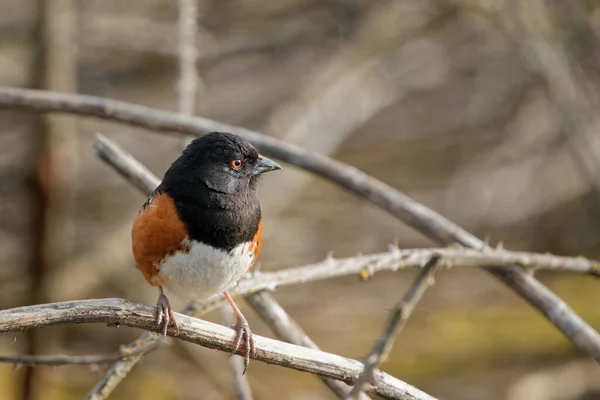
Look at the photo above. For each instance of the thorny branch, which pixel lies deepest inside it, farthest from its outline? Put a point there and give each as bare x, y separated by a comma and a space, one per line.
146, 342
366, 266
398, 318
413, 213
207, 334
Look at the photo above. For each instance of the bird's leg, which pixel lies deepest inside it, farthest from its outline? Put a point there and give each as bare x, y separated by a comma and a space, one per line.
242, 333
164, 314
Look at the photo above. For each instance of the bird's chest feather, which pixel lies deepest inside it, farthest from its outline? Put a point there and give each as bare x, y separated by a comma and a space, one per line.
203, 270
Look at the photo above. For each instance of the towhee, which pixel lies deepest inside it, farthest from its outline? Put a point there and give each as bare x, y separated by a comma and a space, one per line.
200, 231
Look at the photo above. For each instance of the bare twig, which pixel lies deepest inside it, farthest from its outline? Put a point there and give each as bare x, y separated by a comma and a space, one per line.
134, 171
146, 342
367, 265
207, 334
287, 329
187, 84
242, 387
415, 214
502, 259
397, 319
60, 360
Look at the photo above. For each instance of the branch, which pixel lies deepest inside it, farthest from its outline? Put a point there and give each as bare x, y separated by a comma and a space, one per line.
134, 171
60, 360
398, 204
398, 318
146, 342
366, 266
207, 334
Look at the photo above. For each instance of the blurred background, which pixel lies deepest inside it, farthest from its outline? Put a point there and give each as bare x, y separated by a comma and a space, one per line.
483, 110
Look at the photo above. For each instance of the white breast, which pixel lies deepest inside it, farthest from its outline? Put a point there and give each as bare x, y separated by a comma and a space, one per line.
205, 271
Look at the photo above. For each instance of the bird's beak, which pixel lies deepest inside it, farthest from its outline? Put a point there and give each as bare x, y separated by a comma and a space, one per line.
265, 165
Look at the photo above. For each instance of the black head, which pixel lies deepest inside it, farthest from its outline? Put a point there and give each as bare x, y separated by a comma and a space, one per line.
223, 162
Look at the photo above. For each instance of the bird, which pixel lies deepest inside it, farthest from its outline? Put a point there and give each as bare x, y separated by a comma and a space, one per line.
200, 230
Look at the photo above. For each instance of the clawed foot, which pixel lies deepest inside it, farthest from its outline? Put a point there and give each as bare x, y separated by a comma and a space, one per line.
242, 334
243, 338
164, 315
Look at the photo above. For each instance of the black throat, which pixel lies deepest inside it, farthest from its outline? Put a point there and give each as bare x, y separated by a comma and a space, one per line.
220, 220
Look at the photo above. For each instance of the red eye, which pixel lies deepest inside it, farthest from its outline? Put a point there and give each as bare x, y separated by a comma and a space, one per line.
237, 164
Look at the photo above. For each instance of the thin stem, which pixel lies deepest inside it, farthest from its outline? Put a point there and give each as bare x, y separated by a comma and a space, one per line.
61, 360
396, 322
